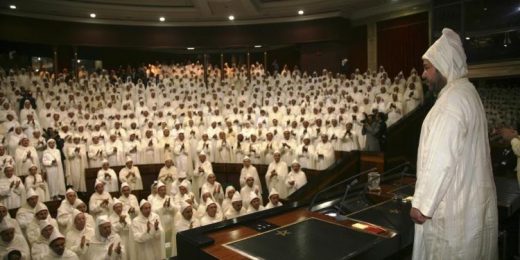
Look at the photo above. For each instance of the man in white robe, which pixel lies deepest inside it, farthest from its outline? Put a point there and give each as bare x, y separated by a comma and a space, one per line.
96, 152
150, 151
274, 200
121, 223
163, 205
36, 182
79, 235
25, 214
203, 167
248, 169
108, 176
324, 153
11, 239
296, 178
12, 190
147, 234
66, 208
454, 205
100, 201
25, 157
106, 244
54, 168
77, 160
306, 154
181, 151
114, 151
276, 174
236, 209
131, 175
57, 249
168, 173
185, 219
129, 200
511, 135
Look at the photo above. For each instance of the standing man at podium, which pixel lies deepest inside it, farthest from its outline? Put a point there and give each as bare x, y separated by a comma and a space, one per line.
454, 205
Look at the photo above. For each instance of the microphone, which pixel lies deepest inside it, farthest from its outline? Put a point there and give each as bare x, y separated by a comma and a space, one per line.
347, 189
351, 178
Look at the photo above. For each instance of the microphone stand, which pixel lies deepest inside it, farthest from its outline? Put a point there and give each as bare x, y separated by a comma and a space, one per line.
337, 184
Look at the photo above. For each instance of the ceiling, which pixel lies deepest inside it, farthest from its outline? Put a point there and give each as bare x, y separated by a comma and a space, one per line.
200, 12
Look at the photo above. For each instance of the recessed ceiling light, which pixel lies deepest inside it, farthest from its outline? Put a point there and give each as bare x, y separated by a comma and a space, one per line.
468, 38
39, 58
190, 48
231, 17
301, 12
258, 46
162, 19
12, 7
78, 61
92, 15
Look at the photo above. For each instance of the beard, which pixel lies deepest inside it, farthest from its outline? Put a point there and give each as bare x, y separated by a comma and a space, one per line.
437, 83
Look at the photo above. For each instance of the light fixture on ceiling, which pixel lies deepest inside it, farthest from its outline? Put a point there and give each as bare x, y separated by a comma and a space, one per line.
92, 15
258, 46
162, 19
78, 61
39, 59
190, 48
468, 38
12, 7
231, 17
300, 12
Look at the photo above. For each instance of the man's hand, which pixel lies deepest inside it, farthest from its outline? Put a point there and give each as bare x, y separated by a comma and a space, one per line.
417, 216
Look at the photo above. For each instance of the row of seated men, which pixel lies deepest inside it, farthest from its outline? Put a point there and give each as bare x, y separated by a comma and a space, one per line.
122, 228
180, 116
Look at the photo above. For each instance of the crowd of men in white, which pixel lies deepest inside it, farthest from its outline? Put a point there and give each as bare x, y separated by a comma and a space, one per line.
185, 121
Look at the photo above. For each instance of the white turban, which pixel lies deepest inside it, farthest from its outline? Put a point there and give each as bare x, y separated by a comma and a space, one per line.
447, 55
31, 193
55, 235
236, 197
5, 225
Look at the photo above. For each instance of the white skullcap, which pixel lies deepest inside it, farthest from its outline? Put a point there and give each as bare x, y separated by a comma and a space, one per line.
98, 182
160, 184
205, 190
75, 213
116, 201
277, 151
273, 192
105, 161
184, 205
55, 235
447, 55
185, 183
124, 184
31, 193
295, 162
129, 159
246, 158
230, 188
51, 140
143, 201
202, 153
236, 197
209, 201
5, 225
102, 220
70, 190
253, 196
39, 207
43, 224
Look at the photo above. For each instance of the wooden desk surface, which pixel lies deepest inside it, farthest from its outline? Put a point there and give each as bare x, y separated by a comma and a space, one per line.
222, 237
